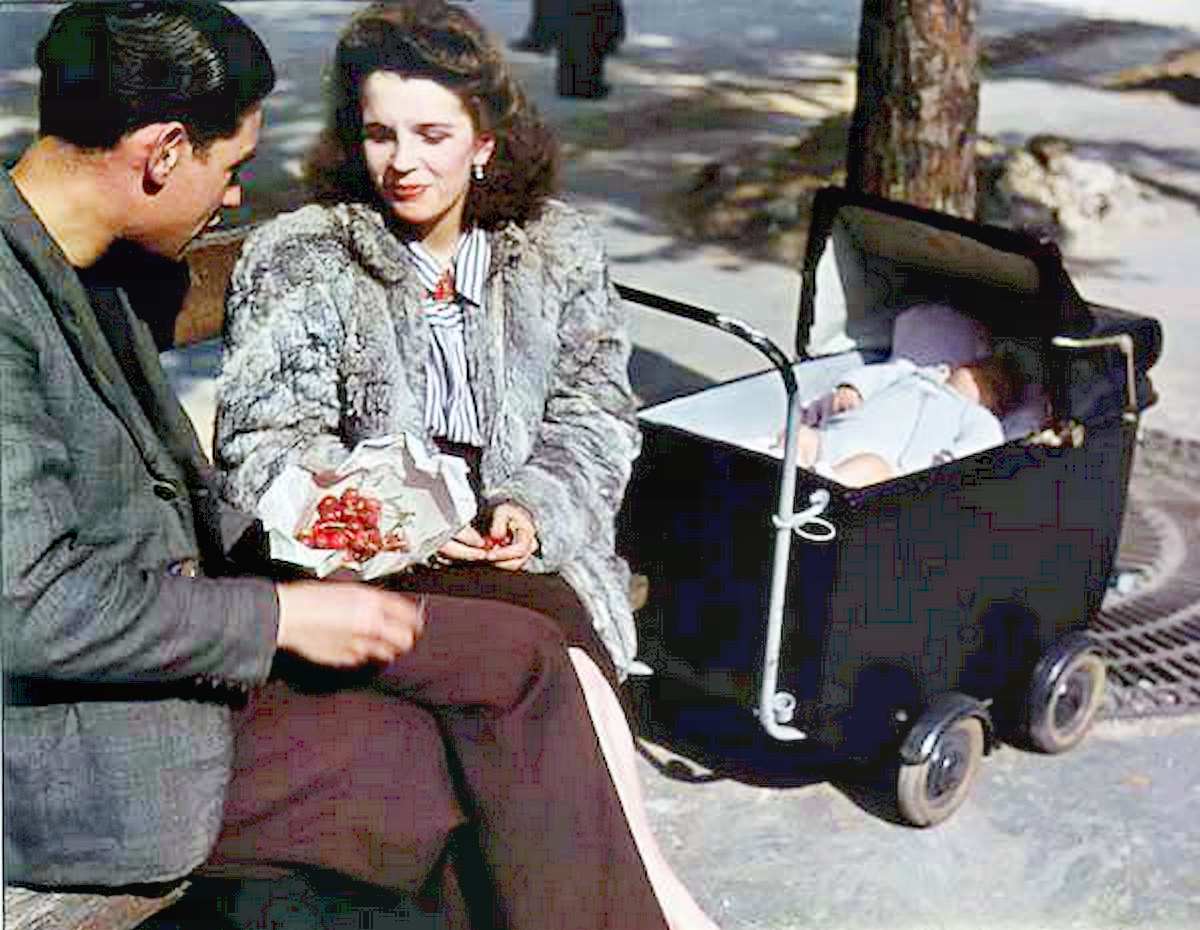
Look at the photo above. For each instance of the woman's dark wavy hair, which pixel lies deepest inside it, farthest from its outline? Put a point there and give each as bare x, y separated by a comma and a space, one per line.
109, 68
439, 41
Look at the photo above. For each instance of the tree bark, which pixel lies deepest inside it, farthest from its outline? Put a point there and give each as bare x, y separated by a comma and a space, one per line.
912, 134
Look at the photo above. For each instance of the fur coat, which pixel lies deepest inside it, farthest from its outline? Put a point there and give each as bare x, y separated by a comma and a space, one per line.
326, 346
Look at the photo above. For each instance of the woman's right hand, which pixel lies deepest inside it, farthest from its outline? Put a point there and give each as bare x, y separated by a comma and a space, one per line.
345, 624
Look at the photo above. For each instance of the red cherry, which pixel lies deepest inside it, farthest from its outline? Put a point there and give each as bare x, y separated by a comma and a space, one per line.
495, 542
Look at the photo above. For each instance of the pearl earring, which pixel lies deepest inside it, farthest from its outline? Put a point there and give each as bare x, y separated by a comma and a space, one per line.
478, 172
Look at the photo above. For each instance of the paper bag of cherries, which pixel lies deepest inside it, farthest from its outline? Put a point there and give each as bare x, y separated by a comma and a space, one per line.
390, 504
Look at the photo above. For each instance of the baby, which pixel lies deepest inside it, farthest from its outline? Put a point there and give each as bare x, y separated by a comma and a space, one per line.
892, 418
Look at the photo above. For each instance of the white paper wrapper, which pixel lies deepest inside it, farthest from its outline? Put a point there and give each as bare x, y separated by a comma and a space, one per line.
395, 470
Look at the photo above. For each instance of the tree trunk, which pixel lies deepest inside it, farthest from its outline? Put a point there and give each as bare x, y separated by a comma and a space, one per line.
912, 134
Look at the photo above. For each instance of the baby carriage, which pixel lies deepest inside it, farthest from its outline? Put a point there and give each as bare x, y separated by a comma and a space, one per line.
917, 621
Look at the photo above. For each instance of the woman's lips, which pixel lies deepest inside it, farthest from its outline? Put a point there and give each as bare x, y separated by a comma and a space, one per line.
410, 192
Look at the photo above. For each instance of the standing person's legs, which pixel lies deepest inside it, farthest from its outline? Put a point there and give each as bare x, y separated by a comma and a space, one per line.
551, 825
545, 23
580, 59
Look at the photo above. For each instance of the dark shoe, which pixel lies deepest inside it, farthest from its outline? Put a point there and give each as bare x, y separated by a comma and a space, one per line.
530, 44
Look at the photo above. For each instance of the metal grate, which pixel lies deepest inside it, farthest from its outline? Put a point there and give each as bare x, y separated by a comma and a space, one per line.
1149, 625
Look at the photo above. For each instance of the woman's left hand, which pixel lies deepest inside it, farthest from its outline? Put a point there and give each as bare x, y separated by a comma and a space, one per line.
513, 525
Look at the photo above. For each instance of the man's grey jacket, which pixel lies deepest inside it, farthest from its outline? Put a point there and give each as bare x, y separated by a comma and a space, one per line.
119, 656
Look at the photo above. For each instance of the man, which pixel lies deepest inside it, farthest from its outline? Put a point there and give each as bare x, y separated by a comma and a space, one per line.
162, 712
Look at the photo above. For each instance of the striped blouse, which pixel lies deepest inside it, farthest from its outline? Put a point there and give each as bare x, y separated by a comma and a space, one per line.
449, 401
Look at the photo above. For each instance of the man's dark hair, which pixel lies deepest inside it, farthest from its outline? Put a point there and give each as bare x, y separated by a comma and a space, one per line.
109, 68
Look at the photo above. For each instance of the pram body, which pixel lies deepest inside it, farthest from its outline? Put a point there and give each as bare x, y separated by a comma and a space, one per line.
922, 618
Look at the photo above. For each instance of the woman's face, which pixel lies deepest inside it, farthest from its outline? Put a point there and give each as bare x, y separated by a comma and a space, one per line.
419, 145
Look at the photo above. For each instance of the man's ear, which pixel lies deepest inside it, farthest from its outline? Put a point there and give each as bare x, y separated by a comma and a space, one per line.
164, 145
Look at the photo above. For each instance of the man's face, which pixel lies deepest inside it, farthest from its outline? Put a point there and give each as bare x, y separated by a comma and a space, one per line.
198, 188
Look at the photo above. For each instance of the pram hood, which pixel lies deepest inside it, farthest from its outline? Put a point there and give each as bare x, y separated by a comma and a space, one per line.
869, 258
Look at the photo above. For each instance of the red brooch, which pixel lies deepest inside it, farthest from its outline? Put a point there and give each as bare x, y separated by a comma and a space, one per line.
444, 289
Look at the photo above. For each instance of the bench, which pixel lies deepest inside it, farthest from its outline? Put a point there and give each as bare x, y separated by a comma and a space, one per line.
29, 909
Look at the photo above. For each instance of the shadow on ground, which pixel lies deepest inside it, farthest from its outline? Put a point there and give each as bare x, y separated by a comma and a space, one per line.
655, 378
709, 741
1185, 89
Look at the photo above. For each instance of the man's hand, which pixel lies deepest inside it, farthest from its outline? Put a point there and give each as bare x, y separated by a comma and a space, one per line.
345, 624
845, 398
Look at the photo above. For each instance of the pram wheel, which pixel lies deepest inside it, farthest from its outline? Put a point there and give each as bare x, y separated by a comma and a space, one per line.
928, 792
1065, 694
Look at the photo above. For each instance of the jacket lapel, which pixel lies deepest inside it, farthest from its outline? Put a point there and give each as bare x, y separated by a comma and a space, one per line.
69, 303
487, 334
483, 338
412, 340
376, 249
168, 420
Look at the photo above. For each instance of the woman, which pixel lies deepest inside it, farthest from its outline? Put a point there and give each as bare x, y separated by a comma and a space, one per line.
435, 174
436, 289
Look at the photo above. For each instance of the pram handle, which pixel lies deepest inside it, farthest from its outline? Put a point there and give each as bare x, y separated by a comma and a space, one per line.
727, 324
775, 708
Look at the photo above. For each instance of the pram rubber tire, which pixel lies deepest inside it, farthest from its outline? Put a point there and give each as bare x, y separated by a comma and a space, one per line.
928, 792
1065, 695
